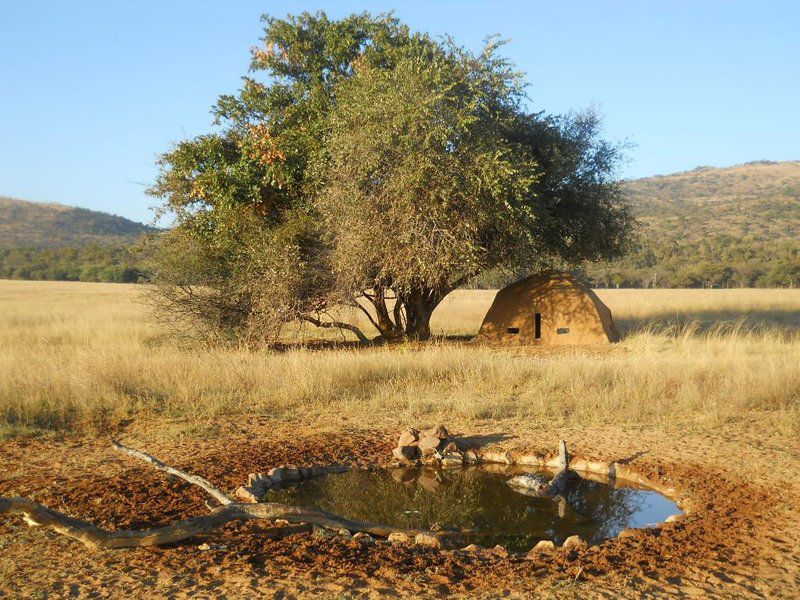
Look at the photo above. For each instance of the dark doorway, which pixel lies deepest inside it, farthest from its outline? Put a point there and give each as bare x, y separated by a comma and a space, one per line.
537, 327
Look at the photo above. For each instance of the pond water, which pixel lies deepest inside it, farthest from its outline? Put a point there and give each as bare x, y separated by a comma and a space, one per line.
478, 498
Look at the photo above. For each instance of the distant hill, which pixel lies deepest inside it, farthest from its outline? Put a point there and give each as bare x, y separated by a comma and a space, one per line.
708, 227
714, 227
55, 242
38, 225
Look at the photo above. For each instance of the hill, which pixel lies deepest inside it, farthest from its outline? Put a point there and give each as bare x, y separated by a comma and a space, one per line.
713, 227
38, 225
708, 227
55, 242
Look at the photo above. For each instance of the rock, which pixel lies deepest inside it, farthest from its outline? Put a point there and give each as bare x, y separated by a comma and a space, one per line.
530, 460
258, 484
673, 518
425, 539
498, 457
428, 445
410, 452
499, 551
438, 432
406, 453
317, 471
625, 533
322, 533
344, 533
471, 457
574, 541
431, 461
398, 537
246, 493
281, 522
408, 438
471, 548
291, 473
364, 538
204, 547
452, 460
543, 546
276, 474
450, 448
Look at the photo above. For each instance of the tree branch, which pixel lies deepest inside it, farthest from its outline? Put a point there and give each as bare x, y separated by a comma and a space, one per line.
221, 497
95, 537
337, 324
366, 312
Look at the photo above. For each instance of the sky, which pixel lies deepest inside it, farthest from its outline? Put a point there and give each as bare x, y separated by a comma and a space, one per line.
92, 92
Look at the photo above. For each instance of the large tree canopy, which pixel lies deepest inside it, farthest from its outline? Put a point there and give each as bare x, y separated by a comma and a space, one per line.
377, 168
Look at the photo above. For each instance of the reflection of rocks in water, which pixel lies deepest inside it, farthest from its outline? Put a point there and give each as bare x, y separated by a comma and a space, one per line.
406, 476
430, 480
478, 500
529, 484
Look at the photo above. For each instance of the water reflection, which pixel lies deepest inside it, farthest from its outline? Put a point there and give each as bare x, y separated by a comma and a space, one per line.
479, 499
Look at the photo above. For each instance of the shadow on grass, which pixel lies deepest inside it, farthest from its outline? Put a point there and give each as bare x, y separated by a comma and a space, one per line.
704, 321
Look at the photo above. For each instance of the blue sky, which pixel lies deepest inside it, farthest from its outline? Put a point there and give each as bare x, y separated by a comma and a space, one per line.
91, 92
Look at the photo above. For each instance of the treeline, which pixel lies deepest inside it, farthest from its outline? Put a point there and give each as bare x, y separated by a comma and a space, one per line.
720, 263
766, 265
95, 262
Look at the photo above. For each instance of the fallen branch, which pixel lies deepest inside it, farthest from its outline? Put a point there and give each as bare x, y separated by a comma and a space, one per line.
537, 485
560, 482
95, 537
221, 497
337, 325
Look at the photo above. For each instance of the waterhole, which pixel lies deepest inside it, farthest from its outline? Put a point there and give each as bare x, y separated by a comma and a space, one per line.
479, 499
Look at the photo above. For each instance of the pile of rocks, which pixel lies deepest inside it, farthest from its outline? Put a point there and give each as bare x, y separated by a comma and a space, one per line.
432, 447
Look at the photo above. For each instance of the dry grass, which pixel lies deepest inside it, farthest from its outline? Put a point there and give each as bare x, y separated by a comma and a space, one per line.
86, 357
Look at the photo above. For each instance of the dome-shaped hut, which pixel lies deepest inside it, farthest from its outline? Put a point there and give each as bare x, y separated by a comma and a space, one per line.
551, 308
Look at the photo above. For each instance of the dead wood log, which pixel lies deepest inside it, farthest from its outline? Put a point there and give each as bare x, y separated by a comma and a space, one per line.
95, 537
221, 497
536, 485
560, 482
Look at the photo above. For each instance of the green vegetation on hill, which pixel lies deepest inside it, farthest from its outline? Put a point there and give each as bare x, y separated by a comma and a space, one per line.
733, 227
94, 262
709, 227
36, 225
54, 242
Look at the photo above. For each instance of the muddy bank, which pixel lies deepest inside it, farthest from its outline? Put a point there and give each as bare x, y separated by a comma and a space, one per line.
737, 539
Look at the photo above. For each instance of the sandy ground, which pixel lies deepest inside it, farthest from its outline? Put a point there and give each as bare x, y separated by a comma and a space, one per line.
741, 540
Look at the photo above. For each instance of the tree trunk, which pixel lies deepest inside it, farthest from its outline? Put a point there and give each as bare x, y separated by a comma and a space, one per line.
419, 306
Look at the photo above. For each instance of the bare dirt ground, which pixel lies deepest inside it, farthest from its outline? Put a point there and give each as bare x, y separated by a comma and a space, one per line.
741, 540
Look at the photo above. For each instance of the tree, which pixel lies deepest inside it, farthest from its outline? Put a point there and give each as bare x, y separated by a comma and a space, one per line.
378, 169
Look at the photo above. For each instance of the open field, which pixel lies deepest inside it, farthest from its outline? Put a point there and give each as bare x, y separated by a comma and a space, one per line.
87, 357
703, 393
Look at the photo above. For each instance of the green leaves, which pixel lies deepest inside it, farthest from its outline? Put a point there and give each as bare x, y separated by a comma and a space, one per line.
396, 161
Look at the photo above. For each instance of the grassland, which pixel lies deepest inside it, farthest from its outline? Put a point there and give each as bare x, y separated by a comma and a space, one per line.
87, 357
